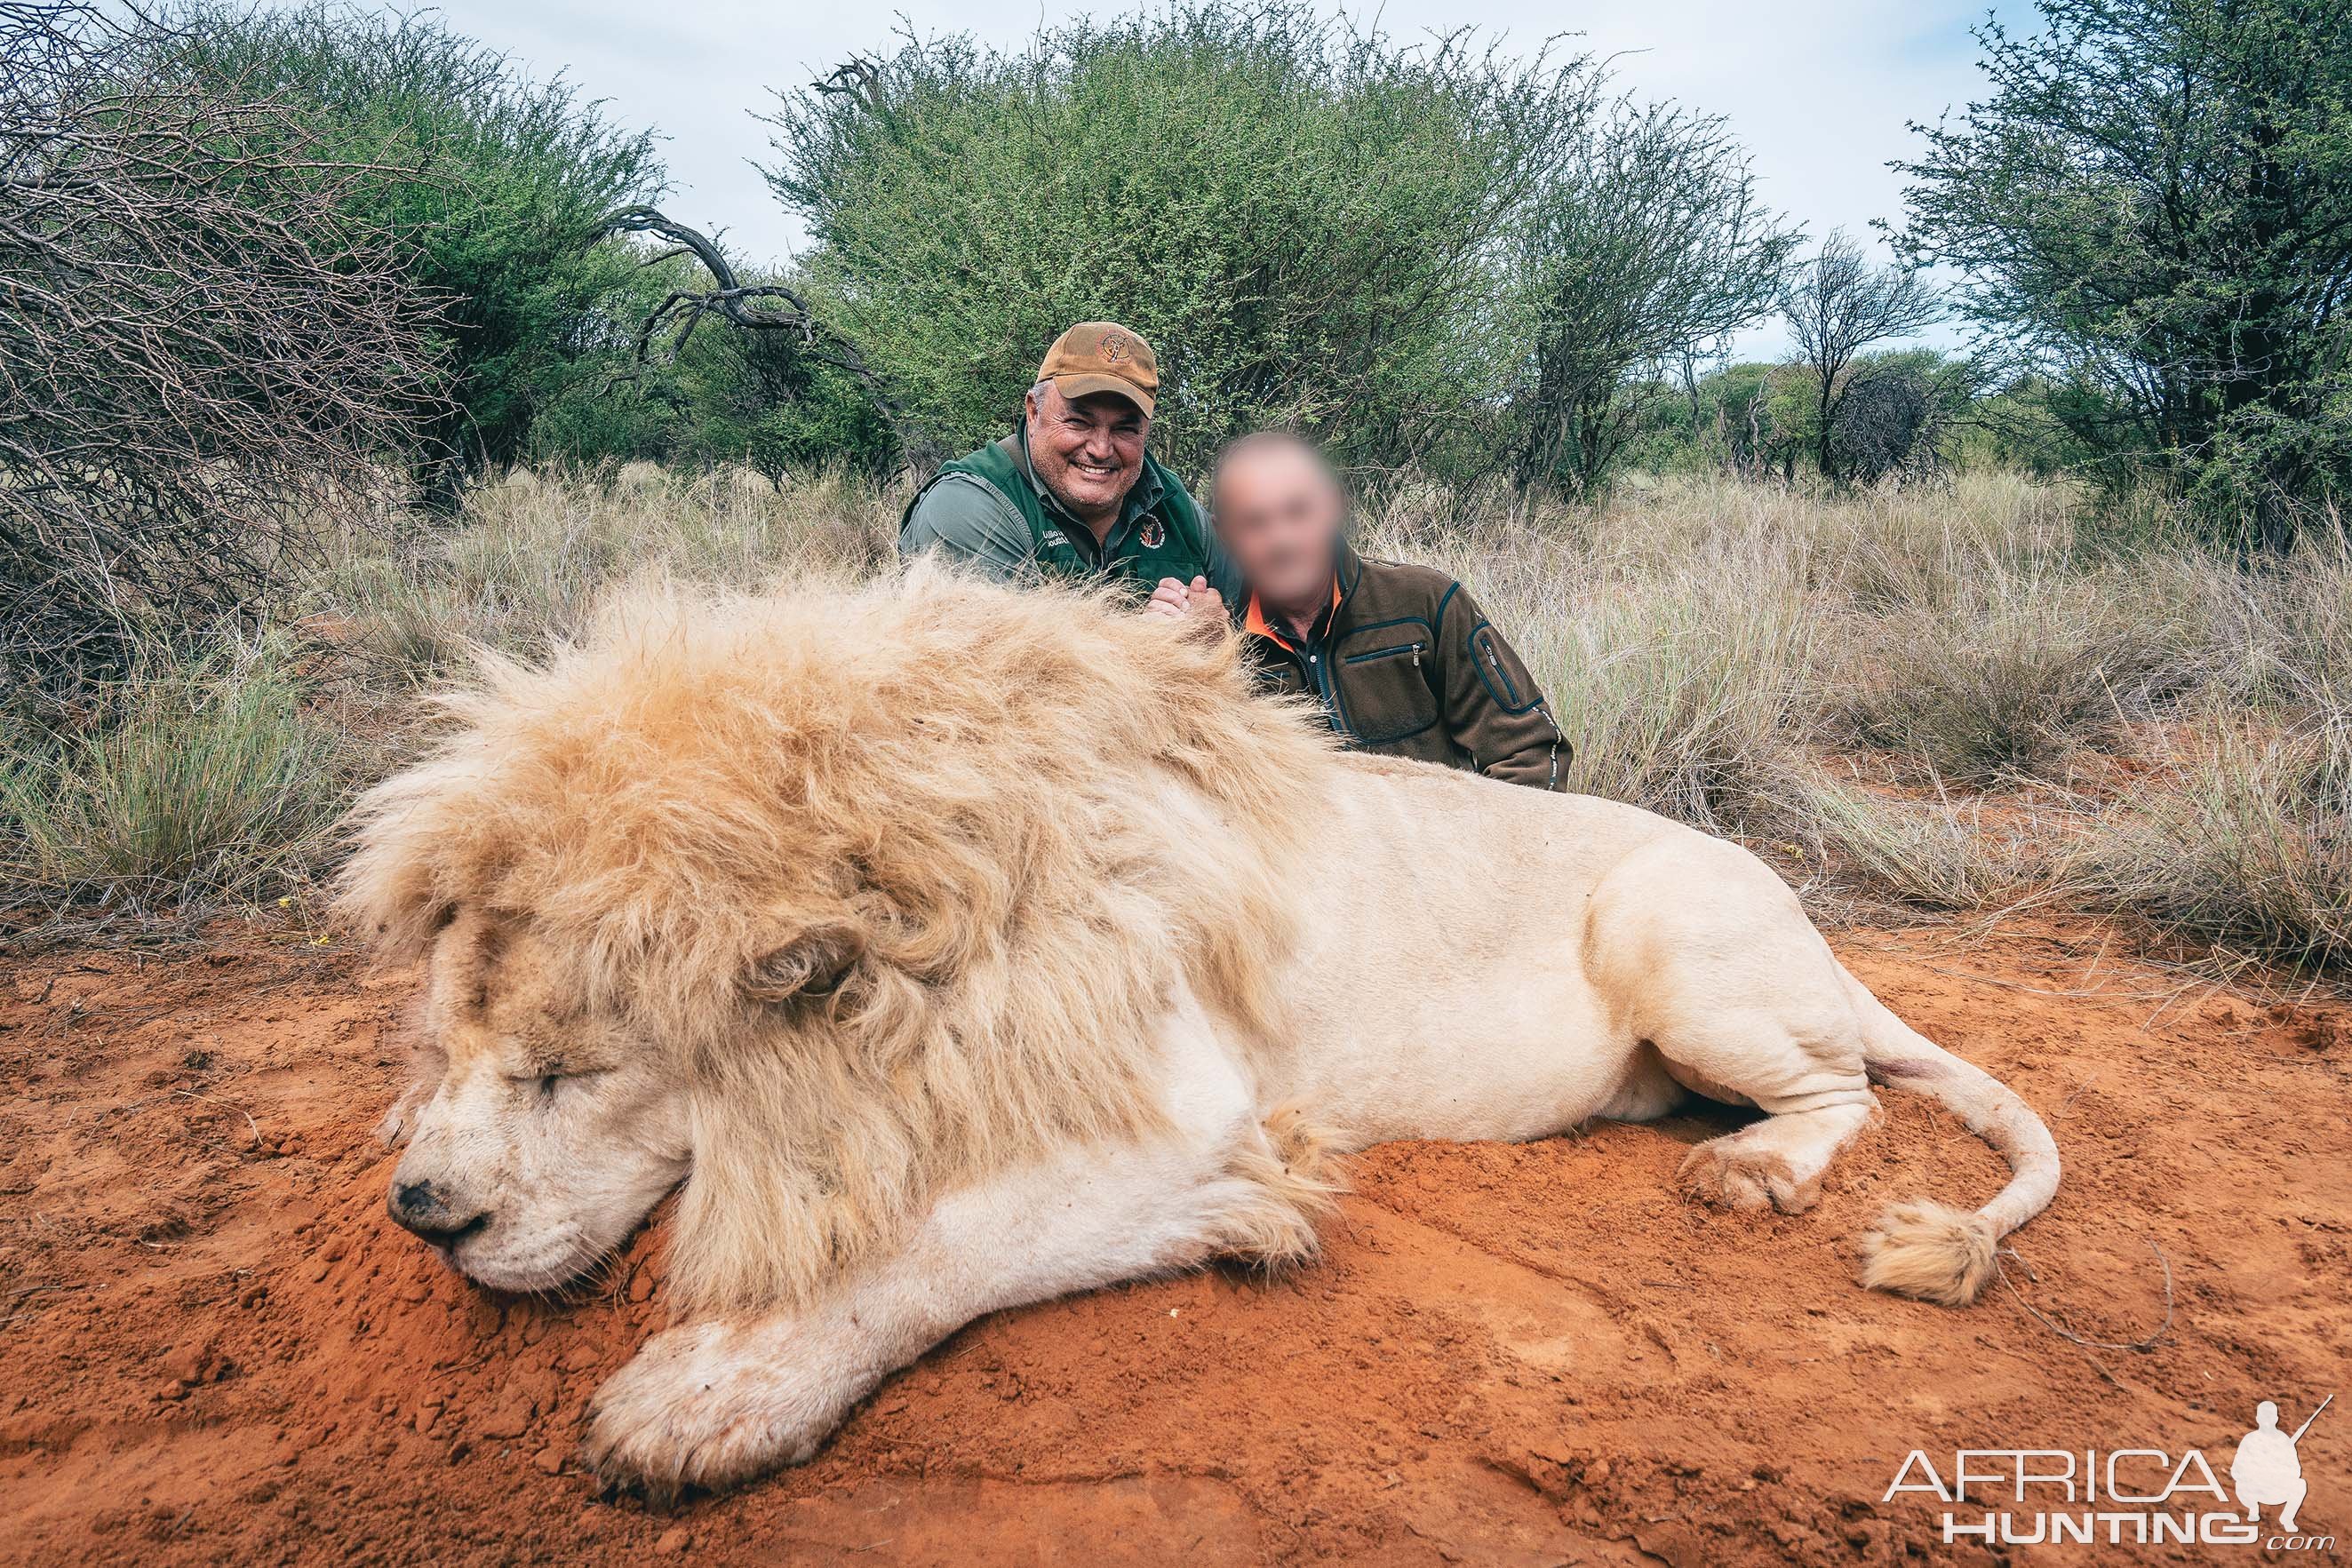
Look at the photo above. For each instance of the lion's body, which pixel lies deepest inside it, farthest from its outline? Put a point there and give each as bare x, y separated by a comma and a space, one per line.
1423, 1004
1115, 950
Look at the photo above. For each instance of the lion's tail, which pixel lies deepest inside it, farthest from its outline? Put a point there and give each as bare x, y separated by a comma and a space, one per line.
1929, 1250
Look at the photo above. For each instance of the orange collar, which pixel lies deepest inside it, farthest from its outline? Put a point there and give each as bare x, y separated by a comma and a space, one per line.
1257, 623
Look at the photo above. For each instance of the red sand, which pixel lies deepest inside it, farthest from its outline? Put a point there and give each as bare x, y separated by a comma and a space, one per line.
216, 1349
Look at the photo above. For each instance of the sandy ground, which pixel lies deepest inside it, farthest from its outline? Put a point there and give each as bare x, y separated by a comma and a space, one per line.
216, 1349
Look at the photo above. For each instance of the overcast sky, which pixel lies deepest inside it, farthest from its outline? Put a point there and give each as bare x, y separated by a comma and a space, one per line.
1818, 90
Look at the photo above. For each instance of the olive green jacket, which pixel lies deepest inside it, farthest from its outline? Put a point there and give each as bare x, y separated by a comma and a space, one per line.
1403, 664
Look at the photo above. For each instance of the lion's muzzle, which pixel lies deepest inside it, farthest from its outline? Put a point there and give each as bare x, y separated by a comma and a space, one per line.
433, 1212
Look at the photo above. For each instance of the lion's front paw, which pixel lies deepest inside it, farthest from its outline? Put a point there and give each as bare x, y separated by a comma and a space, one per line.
709, 1405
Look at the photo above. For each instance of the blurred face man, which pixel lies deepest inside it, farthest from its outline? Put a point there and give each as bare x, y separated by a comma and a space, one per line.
1279, 510
1395, 655
1087, 450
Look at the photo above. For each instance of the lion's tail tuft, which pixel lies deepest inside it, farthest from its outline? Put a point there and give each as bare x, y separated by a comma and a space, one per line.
1930, 1250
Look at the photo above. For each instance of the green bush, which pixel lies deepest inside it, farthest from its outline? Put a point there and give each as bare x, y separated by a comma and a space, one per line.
2020, 426
1296, 213
1905, 414
493, 182
726, 396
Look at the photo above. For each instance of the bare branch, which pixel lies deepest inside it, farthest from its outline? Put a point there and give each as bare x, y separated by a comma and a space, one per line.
196, 346
859, 77
756, 307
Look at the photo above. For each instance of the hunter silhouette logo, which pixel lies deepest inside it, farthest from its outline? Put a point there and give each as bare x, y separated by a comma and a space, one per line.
2123, 1496
2268, 1470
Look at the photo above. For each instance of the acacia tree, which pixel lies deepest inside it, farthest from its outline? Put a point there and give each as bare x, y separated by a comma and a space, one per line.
196, 345
2152, 208
1639, 259
1839, 305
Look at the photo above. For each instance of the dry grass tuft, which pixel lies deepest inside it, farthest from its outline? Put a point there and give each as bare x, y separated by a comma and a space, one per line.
1939, 852
534, 553
2002, 668
205, 777
2243, 838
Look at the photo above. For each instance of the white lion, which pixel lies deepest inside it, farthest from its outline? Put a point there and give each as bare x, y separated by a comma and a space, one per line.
957, 948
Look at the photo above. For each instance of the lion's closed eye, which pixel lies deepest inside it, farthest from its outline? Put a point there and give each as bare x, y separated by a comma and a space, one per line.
547, 1078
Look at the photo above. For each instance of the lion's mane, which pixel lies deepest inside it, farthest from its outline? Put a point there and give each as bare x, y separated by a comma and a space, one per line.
1037, 810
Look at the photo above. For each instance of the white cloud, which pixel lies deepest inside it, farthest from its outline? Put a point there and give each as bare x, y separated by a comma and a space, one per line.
1820, 90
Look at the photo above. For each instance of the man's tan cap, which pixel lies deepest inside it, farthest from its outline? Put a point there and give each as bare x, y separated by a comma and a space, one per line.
1103, 357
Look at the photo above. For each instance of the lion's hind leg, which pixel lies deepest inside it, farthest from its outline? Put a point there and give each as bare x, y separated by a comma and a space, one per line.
1776, 1163
1800, 1064
1804, 1074
1725, 979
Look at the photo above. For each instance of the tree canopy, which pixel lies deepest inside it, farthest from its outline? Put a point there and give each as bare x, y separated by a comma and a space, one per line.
2152, 208
1648, 248
1298, 213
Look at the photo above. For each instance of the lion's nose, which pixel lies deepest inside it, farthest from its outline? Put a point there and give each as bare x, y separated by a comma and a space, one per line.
425, 1208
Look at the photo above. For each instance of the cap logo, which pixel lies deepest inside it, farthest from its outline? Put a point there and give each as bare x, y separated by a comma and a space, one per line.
1114, 347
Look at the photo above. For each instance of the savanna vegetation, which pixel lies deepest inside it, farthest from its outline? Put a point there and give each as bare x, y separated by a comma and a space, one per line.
1969, 697
2058, 621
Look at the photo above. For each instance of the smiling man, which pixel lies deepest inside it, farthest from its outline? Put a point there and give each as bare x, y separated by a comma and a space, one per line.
1398, 656
1071, 493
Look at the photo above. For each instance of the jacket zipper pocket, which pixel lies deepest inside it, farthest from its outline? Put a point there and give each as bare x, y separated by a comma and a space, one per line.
1367, 657
1510, 687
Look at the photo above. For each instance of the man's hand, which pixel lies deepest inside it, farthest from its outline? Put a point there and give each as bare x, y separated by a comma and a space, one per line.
1176, 600
1202, 600
1167, 598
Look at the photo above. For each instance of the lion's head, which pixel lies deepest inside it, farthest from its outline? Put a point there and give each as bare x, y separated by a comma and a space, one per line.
544, 1127
543, 1130
820, 903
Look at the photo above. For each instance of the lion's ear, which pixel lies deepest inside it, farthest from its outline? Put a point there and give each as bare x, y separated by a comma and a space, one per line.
810, 964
